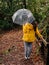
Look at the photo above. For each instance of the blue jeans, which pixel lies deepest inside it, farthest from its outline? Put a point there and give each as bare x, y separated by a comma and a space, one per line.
28, 48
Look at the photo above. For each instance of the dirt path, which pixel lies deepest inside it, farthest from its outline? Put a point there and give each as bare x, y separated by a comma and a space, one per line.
13, 40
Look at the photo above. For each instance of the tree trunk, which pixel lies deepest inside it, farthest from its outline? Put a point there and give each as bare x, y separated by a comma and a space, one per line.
24, 3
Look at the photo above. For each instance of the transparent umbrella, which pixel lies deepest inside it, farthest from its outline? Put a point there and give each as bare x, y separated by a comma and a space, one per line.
22, 16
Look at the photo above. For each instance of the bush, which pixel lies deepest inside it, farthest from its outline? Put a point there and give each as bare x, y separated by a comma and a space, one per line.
5, 25
8, 7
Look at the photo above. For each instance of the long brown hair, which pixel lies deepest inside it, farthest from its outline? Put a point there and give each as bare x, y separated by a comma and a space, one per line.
34, 25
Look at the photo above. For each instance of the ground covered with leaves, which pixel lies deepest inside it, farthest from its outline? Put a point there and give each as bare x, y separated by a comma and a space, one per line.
12, 50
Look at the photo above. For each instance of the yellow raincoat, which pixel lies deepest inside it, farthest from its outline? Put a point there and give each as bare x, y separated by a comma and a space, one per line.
29, 33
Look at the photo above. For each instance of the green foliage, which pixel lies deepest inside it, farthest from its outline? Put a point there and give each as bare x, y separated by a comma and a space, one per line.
5, 25
39, 9
7, 9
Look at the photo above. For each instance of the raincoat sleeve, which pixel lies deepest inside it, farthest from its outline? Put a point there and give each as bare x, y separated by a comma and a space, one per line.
38, 33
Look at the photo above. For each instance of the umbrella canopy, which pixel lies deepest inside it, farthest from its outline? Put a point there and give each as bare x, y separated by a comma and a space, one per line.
22, 16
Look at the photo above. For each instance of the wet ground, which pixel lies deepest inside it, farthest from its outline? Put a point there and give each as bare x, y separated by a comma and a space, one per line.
12, 50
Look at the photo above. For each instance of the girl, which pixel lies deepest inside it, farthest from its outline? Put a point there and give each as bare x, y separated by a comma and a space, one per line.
30, 30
